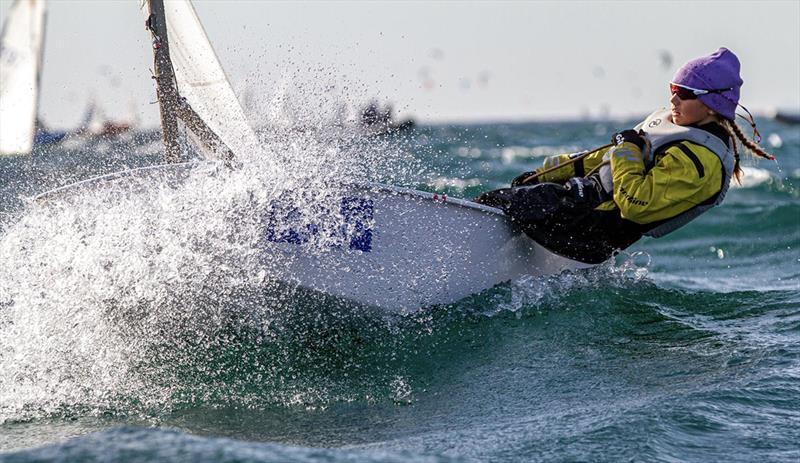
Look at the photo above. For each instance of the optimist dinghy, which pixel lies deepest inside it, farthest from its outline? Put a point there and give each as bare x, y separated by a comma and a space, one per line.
379, 245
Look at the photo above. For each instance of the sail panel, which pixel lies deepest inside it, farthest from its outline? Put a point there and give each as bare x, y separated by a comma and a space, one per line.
20, 58
201, 80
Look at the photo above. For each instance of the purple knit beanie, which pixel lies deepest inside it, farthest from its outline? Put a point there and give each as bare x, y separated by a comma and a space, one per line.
717, 71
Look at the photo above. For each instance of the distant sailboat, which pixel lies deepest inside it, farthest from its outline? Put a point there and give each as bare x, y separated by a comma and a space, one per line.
787, 117
97, 125
21, 47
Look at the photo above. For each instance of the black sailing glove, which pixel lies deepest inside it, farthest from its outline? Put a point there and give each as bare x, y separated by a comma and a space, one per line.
630, 136
519, 180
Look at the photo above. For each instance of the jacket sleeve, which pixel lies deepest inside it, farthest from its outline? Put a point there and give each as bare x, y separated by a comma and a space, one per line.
566, 172
686, 174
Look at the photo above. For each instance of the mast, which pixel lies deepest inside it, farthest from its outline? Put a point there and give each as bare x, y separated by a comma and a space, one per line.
166, 89
172, 105
40, 61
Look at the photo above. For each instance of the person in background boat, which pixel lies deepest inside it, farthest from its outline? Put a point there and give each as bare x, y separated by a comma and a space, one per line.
650, 180
371, 114
376, 121
46, 136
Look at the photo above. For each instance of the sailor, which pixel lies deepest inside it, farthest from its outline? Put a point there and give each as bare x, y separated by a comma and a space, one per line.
651, 180
371, 114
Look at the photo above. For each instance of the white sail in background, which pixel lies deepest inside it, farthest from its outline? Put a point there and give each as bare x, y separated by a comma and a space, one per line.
201, 80
21, 48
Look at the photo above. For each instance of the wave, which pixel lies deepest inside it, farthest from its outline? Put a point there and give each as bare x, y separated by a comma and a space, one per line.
220, 341
164, 445
754, 178
158, 305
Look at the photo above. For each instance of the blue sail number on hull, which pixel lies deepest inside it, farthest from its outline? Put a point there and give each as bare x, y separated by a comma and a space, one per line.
351, 227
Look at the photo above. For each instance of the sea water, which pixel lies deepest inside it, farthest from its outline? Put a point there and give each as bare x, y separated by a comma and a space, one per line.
137, 324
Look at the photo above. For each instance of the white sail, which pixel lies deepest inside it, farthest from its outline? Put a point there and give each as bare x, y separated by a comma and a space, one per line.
21, 48
201, 80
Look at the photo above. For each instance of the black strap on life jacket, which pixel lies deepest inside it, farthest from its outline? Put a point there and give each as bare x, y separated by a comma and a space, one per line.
701, 172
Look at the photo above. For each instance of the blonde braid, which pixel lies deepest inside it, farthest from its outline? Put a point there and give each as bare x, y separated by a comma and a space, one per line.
737, 170
735, 132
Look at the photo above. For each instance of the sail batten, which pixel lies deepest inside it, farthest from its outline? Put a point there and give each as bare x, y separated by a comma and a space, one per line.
21, 46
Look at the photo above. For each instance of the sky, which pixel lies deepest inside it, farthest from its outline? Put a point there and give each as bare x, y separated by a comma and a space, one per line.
435, 61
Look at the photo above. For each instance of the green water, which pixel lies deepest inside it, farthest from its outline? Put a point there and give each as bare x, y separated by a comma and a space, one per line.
695, 357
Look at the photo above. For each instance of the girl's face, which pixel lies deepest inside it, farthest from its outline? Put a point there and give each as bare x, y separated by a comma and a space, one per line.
687, 112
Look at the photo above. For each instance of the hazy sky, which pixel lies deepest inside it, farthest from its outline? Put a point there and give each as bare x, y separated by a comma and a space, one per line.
440, 61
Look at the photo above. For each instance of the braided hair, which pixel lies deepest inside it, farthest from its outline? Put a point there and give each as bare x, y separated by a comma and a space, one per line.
735, 133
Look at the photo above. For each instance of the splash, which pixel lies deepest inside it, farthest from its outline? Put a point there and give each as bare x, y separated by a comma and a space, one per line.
626, 269
149, 292
753, 177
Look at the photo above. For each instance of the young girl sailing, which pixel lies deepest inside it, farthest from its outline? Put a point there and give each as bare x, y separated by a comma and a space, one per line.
651, 180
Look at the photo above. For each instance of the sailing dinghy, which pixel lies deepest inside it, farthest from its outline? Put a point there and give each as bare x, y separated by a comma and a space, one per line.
380, 245
21, 47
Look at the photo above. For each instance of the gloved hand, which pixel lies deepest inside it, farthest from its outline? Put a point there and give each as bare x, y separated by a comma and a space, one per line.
529, 205
519, 180
630, 136
586, 191
496, 198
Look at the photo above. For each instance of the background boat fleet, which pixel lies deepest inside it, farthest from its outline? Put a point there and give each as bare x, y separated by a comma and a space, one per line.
21, 127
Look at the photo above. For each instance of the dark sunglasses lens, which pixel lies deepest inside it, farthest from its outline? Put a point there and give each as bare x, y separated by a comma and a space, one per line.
683, 93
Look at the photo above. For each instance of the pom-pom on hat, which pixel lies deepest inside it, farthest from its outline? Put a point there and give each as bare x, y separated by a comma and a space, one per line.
718, 73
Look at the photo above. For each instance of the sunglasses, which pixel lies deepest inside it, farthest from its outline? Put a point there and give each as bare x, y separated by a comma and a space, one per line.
689, 93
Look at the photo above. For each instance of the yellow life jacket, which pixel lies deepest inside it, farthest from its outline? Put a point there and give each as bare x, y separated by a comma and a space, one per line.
661, 132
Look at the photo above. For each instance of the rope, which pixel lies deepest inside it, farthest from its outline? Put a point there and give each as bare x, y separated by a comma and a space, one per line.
575, 159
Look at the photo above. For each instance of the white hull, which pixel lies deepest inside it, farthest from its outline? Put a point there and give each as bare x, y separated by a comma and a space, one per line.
423, 250
395, 248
